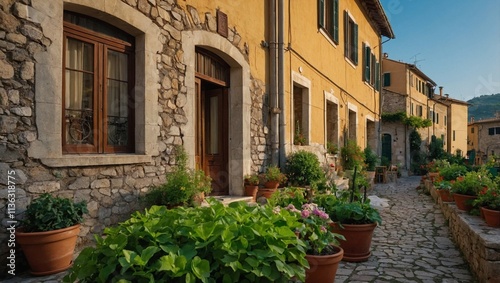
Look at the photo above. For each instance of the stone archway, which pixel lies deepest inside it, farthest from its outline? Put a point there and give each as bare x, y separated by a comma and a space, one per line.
239, 102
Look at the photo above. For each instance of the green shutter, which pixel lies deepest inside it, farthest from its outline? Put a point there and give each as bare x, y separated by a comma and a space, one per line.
372, 68
366, 59
336, 21
355, 45
377, 75
321, 13
346, 35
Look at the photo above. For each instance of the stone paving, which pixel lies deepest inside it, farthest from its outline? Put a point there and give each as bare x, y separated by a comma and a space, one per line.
412, 245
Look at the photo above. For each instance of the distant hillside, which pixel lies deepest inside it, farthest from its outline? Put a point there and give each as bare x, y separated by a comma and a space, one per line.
484, 106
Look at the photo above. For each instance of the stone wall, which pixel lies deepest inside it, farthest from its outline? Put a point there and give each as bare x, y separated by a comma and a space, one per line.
112, 192
480, 244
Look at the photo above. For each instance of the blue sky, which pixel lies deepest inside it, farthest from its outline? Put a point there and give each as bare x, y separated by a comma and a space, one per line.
454, 42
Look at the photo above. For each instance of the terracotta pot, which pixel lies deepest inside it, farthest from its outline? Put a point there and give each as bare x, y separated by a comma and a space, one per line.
272, 184
251, 190
445, 195
491, 217
267, 192
464, 202
358, 240
323, 268
433, 175
48, 252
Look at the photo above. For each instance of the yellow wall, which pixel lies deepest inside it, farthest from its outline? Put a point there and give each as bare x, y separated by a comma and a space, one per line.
250, 24
458, 115
314, 56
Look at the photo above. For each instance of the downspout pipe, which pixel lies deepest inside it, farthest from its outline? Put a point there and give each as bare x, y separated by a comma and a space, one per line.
281, 81
273, 93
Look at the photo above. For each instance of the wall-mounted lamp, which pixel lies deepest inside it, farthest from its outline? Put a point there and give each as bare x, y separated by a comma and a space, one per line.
264, 44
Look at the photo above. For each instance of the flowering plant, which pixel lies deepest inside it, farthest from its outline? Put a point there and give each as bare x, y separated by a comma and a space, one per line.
472, 183
315, 230
489, 199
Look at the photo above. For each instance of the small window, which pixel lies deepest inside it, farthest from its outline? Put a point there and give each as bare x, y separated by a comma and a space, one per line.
328, 18
350, 38
471, 130
387, 79
491, 131
497, 130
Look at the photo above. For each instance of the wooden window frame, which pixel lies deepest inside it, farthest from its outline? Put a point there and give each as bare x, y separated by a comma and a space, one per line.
102, 43
350, 39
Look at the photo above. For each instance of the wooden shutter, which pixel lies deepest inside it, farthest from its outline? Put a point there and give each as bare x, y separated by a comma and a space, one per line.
355, 44
321, 13
377, 75
366, 59
336, 20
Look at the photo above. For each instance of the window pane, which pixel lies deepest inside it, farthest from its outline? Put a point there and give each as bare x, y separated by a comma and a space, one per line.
79, 89
117, 102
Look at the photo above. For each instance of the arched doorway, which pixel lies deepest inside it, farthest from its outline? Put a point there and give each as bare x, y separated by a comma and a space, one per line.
386, 147
211, 95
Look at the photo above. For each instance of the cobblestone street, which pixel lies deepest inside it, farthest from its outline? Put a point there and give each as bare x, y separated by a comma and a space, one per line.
412, 245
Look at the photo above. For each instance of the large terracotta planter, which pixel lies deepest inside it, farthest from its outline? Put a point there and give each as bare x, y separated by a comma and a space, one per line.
48, 252
445, 195
251, 190
358, 240
323, 268
272, 184
464, 202
491, 217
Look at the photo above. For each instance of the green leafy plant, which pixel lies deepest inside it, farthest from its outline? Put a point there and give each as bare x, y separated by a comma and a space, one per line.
252, 179
234, 243
345, 212
315, 230
489, 199
371, 159
289, 195
452, 172
303, 168
181, 185
47, 213
472, 183
299, 138
273, 173
352, 155
332, 148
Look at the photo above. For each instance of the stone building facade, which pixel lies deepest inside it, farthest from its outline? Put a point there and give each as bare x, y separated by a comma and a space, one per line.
484, 138
192, 68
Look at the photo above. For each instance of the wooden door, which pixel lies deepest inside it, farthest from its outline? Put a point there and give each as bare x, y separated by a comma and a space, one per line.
212, 136
387, 147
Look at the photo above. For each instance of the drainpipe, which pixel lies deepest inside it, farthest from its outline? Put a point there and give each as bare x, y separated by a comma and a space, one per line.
281, 81
273, 94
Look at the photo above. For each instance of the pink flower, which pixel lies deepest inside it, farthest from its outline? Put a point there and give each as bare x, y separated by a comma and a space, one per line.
332, 165
323, 229
305, 213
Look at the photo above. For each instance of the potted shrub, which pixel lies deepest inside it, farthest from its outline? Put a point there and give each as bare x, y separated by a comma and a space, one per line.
465, 189
371, 160
322, 251
183, 186
252, 185
443, 188
217, 243
351, 156
489, 203
331, 148
49, 232
273, 178
303, 169
354, 219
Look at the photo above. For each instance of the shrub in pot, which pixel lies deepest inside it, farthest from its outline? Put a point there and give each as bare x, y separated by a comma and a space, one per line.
303, 169
252, 185
234, 243
183, 186
49, 232
489, 203
466, 188
273, 178
351, 155
354, 219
